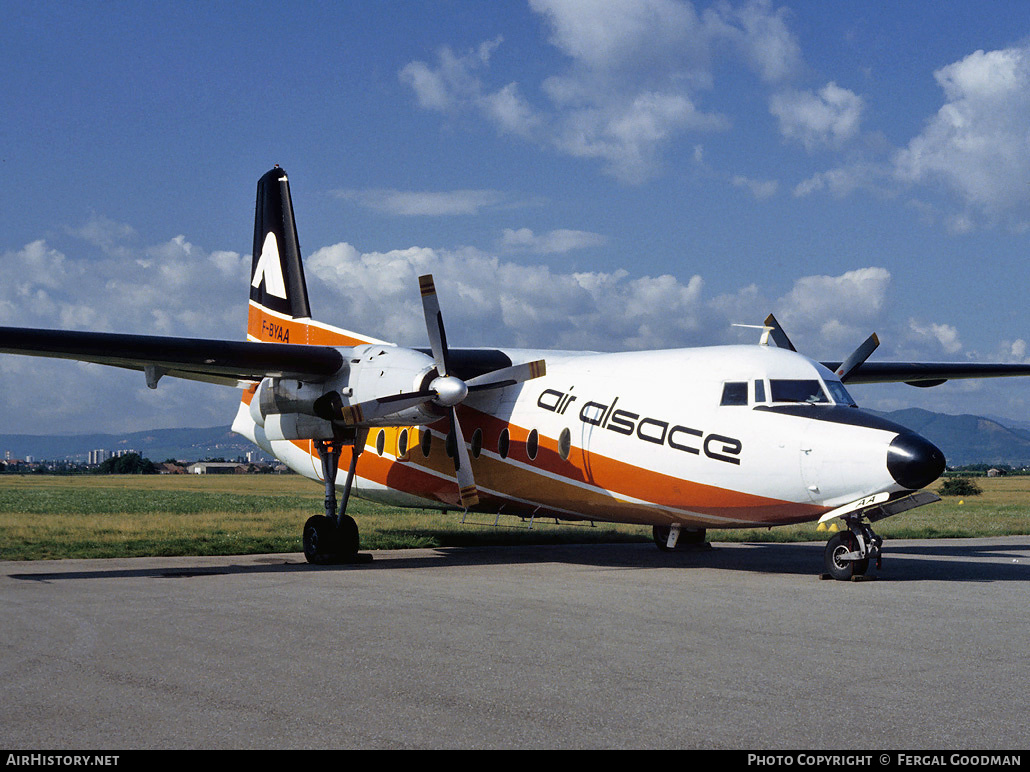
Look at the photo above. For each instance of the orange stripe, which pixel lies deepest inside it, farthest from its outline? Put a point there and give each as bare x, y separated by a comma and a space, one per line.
267, 327
555, 497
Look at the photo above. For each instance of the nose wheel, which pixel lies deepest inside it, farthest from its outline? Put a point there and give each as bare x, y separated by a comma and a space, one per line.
848, 553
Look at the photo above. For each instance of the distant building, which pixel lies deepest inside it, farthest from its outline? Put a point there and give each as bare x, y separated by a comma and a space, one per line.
97, 457
215, 467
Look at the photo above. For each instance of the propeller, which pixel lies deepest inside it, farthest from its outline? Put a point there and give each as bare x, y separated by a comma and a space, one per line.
858, 356
446, 390
452, 390
846, 368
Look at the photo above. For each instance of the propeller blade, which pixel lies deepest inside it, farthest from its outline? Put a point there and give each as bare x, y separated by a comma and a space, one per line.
434, 322
467, 490
508, 376
778, 335
858, 356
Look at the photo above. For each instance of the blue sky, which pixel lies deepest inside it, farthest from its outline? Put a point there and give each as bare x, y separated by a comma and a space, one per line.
601, 175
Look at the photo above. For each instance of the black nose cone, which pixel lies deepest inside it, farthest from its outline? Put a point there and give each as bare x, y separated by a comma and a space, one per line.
913, 461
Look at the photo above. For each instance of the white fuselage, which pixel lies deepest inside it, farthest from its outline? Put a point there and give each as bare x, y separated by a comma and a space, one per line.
653, 437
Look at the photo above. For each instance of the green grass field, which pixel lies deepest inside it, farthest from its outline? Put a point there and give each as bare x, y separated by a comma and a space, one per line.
85, 516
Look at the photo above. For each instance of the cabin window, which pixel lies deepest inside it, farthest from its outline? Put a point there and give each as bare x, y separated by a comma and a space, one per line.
532, 444
759, 391
503, 443
426, 443
477, 442
565, 443
804, 391
734, 393
402, 443
380, 442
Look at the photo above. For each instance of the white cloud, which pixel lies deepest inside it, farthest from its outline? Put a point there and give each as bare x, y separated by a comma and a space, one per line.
978, 143
634, 81
843, 180
830, 313
829, 118
554, 242
425, 203
452, 81
760, 189
943, 335
762, 36
511, 112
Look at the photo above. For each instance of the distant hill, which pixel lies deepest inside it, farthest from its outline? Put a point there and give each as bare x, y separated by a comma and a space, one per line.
965, 439
156, 444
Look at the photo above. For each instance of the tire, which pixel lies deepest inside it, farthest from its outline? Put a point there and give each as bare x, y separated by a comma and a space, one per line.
321, 540
347, 540
692, 537
660, 534
689, 538
839, 544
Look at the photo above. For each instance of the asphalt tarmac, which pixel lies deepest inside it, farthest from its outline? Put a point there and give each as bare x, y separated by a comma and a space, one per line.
614, 646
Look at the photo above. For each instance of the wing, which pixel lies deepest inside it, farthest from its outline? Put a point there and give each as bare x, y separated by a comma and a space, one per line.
223, 362
927, 373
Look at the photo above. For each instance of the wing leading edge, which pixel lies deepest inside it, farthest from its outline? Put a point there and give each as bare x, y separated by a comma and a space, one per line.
229, 363
927, 373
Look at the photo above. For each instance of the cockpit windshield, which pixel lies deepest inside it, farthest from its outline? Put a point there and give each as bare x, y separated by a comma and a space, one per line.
805, 391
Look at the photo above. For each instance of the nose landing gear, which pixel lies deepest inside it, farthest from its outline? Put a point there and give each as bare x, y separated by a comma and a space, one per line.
848, 552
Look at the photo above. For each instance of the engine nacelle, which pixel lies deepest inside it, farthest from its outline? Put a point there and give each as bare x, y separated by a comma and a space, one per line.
278, 396
297, 410
284, 410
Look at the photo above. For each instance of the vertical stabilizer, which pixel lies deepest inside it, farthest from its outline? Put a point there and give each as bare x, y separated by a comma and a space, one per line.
277, 275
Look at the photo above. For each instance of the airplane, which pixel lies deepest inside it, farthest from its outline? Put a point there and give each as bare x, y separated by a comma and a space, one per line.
682, 440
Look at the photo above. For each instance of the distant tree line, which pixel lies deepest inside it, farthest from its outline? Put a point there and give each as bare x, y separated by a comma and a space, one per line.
130, 463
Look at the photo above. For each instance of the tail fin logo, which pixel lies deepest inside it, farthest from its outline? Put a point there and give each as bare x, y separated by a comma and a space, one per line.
269, 268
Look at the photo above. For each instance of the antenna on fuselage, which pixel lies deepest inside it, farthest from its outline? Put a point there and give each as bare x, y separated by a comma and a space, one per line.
767, 331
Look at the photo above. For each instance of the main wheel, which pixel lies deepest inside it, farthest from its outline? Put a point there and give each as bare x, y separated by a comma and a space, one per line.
660, 534
321, 540
347, 540
689, 537
837, 566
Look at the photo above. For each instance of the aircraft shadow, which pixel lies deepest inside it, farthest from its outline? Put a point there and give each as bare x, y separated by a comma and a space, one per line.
948, 561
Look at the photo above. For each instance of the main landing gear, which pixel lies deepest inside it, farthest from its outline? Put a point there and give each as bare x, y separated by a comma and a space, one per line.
333, 537
848, 552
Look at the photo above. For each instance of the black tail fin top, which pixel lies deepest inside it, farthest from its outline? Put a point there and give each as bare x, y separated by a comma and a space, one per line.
277, 274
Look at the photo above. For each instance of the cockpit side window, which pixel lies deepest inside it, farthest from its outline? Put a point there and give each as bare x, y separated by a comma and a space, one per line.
759, 390
840, 394
804, 391
734, 393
